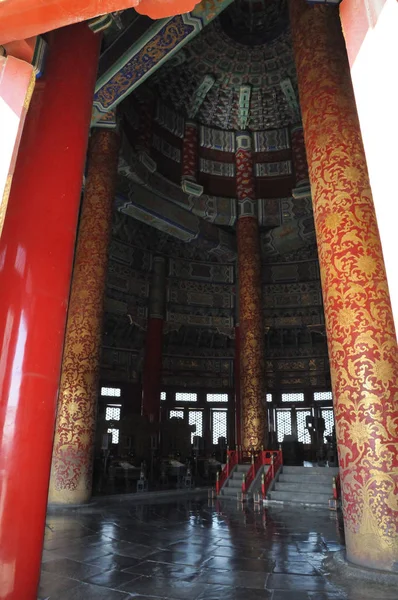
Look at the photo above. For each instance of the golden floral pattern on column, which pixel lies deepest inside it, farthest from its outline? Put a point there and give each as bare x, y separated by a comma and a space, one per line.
360, 327
252, 367
71, 473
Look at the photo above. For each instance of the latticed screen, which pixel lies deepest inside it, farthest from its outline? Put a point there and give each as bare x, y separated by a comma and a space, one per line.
186, 397
219, 424
112, 413
323, 396
327, 415
110, 391
217, 397
293, 397
115, 435
163, 395
302, 433
269, 397
179, 414
195, 417
283, 423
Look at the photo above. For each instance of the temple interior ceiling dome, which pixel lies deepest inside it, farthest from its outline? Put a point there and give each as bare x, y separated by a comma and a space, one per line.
262, 61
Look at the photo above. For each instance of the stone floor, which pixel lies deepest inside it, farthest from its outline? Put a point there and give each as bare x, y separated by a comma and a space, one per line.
194, 549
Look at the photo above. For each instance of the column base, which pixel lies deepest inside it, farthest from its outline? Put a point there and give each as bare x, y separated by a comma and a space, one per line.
338, 564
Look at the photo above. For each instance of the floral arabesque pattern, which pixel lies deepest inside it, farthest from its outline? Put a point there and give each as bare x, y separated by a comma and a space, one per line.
71, 472
252, 366
360, 328
244, 174
189, 165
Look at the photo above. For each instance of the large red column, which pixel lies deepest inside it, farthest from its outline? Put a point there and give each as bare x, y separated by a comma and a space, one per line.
238, 409
252, 368
36, 253
359, 322
370, 31
152, 376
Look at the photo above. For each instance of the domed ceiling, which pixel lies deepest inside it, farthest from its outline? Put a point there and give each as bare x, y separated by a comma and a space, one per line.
240, 64
248, 46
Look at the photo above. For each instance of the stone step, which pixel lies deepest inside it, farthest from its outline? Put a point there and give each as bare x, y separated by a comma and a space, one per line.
309, 479
316, 488
238, 475
330, 471
300, 498
235, 483
230, 492
242, 468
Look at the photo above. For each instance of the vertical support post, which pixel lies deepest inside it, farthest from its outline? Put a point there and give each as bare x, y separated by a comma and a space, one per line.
152, 376
72, 463
362, 340
36, 250
252, 375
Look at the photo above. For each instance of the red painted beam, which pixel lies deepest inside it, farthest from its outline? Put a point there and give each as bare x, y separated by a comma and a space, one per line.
20, 19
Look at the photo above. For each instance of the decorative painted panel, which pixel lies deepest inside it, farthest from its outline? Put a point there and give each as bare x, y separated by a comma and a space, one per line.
169, 119
217, 139
197, 382
200, 320
213, 167
201, 294
271, 140
223, 367
217, 273
273, 169
166, 149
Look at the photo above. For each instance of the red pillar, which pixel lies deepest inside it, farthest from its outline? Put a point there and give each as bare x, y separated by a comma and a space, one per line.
189, 166
238, 421
152, 376
36, 253
252, 369
360, 329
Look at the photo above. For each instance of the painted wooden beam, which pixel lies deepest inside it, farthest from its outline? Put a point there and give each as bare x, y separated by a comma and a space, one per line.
20, 19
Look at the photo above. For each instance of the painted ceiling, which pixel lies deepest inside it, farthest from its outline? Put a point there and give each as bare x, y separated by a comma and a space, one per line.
262, 59
248, 46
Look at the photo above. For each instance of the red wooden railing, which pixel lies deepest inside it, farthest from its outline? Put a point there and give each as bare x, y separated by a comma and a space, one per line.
264, 457
336, 487
240, 455
232, 461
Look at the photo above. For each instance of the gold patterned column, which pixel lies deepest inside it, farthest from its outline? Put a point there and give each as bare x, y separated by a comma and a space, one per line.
252, 368
360, 328
71, 471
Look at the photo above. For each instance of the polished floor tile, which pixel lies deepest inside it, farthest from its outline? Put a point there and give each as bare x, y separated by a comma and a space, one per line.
194, 550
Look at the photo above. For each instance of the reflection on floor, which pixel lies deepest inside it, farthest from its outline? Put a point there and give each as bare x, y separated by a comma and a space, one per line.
192, 550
